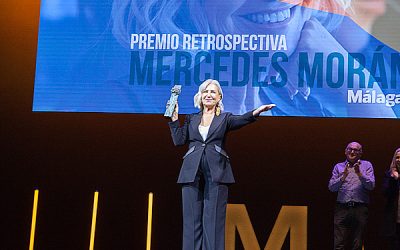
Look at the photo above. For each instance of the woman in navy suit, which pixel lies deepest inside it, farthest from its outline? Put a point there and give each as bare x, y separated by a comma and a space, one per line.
206, 170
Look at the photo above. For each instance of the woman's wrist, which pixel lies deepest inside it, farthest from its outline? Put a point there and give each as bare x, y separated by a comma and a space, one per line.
256, 112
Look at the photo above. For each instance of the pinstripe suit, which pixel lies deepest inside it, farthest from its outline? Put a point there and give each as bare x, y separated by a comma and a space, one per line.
204, 175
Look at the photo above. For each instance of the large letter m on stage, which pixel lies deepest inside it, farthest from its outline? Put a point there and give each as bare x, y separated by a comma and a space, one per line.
291, 219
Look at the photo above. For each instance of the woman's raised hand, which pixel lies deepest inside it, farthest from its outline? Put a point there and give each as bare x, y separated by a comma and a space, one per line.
263, 108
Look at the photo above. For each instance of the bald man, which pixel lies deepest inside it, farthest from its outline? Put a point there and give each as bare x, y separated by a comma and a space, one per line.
352, 180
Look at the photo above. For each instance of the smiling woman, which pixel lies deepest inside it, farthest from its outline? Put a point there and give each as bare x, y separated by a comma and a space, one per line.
278, 21
391, 187
131, 52
206, 170
261, 17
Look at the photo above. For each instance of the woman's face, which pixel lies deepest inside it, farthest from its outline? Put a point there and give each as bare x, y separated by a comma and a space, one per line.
210, 96
272, 17
397, 158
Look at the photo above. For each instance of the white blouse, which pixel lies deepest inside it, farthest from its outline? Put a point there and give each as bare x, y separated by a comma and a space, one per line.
204, 131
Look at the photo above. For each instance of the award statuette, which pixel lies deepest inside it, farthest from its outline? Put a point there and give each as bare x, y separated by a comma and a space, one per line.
175, 91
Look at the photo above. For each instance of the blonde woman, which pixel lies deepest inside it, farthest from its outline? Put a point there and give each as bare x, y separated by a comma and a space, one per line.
308, 25
391, 213
206, 170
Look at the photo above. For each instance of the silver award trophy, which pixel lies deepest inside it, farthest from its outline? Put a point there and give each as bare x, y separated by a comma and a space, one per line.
175, 91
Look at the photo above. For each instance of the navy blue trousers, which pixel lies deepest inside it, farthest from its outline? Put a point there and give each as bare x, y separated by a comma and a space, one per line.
204, 211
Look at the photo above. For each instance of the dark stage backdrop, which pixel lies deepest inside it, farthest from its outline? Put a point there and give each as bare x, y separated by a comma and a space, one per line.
277, 161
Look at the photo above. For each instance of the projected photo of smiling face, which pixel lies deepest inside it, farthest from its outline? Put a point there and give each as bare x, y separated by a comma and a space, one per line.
258, 17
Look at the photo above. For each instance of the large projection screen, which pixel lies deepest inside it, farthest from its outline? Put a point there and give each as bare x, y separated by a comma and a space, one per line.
310, 58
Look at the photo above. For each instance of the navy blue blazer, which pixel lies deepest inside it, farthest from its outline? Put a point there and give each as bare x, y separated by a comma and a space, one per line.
213, 146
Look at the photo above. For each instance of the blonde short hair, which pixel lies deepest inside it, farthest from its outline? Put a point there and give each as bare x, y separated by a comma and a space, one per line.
197, 97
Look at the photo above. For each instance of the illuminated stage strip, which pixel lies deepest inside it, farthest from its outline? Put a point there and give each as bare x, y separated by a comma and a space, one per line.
34, 213
149, 221
94, 216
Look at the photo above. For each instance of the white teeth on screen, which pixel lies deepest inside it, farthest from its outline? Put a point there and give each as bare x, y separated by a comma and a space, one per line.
274, 17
